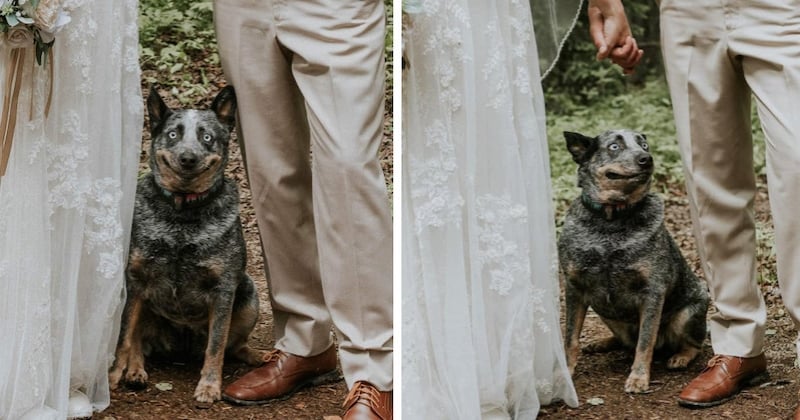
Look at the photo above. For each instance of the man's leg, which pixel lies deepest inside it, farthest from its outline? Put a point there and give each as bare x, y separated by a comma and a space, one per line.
774, 76
275, 133
711, 102
338, 51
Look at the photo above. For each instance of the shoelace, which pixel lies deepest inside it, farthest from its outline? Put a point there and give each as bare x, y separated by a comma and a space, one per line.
717, 359
273, 356
362, 391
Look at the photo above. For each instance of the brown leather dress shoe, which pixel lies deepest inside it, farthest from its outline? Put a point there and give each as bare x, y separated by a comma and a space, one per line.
365, 402
722, 378
281, 375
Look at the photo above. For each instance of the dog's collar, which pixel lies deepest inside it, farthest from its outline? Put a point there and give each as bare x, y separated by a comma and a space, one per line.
182, 201
609, 211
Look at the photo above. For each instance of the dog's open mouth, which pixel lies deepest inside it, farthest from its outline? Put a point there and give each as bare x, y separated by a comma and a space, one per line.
620, 176
186, 174
176, 179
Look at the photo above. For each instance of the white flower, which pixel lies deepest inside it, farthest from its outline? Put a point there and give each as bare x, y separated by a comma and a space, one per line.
46, 15
63, 19
19, 37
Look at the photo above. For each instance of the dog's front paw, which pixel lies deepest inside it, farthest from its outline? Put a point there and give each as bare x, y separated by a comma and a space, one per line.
136, 379
637, 383
207, 392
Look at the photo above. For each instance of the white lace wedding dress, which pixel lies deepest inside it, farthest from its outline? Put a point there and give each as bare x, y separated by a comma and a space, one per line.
481, 334
66, 203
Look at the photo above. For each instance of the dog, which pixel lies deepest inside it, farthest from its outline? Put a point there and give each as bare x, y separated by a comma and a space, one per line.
187, 290
617, 257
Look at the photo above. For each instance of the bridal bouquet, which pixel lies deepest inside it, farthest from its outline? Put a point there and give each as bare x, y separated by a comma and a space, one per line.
25, 23
32, 22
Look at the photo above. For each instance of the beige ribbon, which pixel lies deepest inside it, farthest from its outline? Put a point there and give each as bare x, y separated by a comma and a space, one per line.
8, 118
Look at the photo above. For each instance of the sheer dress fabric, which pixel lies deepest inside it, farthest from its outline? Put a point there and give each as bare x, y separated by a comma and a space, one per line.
66, 203
481, 334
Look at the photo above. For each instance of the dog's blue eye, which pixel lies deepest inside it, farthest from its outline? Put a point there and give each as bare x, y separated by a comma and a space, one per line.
207, 138
613, 147
172, 135
645, 146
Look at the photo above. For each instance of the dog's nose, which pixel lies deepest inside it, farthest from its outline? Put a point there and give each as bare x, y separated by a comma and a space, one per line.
188, 160
646, 161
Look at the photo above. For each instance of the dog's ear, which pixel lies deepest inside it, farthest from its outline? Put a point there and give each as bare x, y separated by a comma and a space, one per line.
581, 147
156, 108
224, 106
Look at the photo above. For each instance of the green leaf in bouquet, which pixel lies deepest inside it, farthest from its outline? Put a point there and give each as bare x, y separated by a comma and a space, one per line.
11, 19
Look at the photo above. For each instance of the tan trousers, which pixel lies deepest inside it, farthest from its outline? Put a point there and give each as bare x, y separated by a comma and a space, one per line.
717, 53
309, 75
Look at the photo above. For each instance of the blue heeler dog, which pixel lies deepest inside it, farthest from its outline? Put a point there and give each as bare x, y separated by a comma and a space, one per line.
617, 257
187, 290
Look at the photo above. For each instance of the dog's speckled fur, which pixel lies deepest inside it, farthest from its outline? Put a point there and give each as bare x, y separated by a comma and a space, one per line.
617, 257
187, 290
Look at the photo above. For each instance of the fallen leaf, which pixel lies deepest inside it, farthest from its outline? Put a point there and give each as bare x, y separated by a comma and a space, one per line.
595, 401
164, 386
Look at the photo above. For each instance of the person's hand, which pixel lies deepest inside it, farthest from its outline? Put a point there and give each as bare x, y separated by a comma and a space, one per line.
626, 56
611, 34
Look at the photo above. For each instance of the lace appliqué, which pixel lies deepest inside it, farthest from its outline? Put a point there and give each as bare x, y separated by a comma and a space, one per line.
437, 202
507, 62
445, 41
503, 257
104, 230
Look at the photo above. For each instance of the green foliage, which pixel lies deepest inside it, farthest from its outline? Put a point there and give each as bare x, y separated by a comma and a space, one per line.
175, 35
177, 39
646, 109
582, 80
389, 44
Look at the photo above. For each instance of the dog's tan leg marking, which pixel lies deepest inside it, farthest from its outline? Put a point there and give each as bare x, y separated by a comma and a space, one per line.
209, 388
129, 357
623, 331
215, 267
574, 326
687, 352
649, 318
241, 326
681, 359
603, 345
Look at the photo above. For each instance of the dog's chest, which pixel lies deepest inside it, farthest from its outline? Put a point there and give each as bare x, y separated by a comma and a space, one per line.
612, 274
175, 287
180, 269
